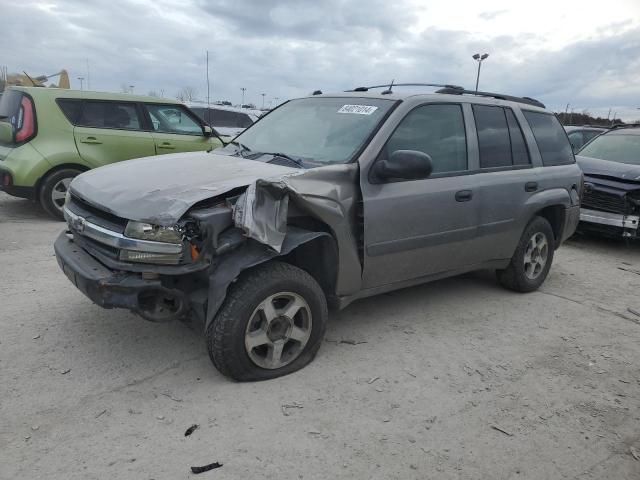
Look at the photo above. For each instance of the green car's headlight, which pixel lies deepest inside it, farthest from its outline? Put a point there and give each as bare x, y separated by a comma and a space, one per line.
155, 233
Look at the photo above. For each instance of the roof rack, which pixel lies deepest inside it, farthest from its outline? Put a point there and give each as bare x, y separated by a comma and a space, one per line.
500, 96
390, 86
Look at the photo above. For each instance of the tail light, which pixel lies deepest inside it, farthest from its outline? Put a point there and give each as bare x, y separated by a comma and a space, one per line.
27, 122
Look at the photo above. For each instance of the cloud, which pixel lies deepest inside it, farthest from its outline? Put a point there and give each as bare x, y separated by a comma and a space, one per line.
288, 48
490, 15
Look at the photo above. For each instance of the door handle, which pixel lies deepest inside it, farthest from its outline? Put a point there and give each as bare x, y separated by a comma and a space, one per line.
91, 141
531, 186
167, 146
464, 195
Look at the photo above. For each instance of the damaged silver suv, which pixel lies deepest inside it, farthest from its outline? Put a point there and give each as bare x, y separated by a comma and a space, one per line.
326, 200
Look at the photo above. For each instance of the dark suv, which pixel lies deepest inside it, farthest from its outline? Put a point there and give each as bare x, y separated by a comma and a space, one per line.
326, 200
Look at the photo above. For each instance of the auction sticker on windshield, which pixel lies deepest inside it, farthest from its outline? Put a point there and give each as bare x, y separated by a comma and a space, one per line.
358, 109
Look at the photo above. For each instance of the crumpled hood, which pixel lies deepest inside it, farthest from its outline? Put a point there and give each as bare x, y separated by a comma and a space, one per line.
596, 166
161, 189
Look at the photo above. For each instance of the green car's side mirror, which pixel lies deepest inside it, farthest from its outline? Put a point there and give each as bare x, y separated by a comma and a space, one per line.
6, 132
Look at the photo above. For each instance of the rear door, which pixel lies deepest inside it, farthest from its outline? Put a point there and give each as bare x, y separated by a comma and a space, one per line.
111, 131
415, 228
175, 129
505, 179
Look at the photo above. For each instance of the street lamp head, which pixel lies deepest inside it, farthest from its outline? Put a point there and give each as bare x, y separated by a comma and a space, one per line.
476, 56
484, 56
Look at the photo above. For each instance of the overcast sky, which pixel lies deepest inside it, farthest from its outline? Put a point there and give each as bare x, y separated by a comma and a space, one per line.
583, 53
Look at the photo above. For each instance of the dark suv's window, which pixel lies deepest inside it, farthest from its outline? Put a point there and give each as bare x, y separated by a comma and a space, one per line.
437, 130
223, 118
552, 141
500, 139
119, 115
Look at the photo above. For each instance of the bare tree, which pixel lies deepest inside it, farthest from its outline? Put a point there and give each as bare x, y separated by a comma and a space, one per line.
186, 94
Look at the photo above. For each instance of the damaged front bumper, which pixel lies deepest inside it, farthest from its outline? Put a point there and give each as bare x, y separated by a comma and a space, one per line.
627, 222
147, 297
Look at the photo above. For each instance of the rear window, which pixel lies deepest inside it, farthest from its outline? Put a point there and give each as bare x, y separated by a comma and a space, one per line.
551, 138
118, 115
72, 108
500, 139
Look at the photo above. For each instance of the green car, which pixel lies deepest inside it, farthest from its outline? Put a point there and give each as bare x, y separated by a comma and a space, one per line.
50, 135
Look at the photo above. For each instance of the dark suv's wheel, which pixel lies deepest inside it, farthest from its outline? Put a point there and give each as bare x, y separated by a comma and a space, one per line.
54, 189
532, 259
271, 323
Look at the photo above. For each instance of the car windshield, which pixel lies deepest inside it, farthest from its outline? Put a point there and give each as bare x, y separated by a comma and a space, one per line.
623, 148
316, 131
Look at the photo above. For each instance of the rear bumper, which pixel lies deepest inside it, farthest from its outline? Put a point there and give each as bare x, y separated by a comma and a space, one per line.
112, 289
610, 219
6, 185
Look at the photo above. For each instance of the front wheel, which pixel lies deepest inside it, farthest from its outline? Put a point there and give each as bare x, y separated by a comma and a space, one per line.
271, 323
532, 259
54, 190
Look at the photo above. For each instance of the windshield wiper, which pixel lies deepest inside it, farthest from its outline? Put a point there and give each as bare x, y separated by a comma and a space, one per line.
243, 147
297, 161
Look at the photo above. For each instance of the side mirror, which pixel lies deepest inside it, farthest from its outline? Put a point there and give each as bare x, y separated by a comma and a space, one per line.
207, 131
6, 133
404, 165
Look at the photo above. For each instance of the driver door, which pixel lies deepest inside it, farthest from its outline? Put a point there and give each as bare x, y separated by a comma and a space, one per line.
175, 129
416, 228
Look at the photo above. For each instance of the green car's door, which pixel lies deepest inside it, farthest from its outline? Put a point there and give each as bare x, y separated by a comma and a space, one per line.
111, 131
176, 129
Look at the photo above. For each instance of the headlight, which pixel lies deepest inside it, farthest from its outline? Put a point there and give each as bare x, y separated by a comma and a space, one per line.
155, 233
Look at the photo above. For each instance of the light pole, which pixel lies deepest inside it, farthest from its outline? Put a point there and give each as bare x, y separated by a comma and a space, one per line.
81, 82
479, 58
275, 100
243, 90
263, 94
131, 88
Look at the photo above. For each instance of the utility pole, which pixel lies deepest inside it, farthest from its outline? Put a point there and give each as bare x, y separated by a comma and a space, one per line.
243, 90
609, 114
131, 88
208, 91
479, 58
81, 82
263, 94
614, 118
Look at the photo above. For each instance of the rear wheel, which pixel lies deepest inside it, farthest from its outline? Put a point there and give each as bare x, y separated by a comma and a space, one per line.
54, 190
271, 323
532, 259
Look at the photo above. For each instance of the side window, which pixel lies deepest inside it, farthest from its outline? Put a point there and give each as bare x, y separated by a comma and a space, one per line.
519, 150
172, 119
552, 141
493, 136
576, 140
72, 108
99, 114
437, 130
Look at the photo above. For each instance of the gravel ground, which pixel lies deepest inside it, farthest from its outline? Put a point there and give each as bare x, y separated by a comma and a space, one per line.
456, 379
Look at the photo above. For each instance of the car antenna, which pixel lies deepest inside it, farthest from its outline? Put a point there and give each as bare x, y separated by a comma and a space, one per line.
389, 91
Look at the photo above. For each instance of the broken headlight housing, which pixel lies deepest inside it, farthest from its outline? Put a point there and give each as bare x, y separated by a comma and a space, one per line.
153, 233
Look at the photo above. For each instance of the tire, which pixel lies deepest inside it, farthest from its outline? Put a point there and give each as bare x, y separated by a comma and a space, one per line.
53, 189
522, 275
243, 340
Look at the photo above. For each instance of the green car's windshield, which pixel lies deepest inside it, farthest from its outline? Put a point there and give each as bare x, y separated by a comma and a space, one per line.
623, 148
316, 131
